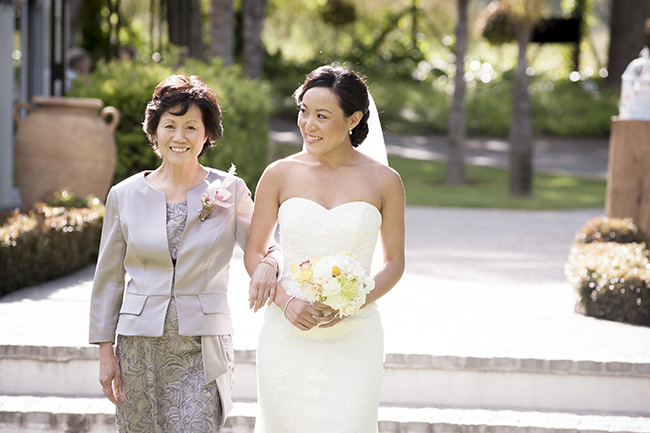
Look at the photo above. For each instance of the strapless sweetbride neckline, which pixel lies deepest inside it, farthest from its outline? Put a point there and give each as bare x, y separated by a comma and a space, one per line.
334, 208
308, 230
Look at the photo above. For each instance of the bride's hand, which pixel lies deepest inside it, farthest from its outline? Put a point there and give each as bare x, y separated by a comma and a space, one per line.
262, 286
302, 314
329, 318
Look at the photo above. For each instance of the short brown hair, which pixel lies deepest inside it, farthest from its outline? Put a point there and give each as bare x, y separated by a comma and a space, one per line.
179, 92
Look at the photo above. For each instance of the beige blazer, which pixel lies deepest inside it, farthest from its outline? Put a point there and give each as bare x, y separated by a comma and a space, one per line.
134, 245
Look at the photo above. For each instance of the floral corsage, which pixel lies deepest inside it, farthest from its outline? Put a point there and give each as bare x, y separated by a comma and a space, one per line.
338, 281
217, 193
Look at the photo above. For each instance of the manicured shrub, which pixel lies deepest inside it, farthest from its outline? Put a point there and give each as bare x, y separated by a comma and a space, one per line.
48, 242
612, 279
63, 198
604, 229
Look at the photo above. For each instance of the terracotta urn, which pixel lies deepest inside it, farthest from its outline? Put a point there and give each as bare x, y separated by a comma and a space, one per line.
64, 143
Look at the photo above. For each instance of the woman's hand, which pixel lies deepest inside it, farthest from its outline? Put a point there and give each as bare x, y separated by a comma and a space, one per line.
261, 289
329, 317
302, 314
110, 377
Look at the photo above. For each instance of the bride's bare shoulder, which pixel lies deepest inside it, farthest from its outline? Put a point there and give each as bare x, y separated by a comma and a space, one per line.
283, 166
379, 172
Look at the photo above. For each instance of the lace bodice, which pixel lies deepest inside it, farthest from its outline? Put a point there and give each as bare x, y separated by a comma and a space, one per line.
308, 229
176, 219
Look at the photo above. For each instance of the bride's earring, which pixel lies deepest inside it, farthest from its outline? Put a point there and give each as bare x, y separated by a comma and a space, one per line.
350, 131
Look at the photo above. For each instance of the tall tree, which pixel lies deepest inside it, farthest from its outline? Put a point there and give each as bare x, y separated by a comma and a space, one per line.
253, 54
627, 35
185, 29
93, 38
74, 13
525, 14
455, 174
222, 30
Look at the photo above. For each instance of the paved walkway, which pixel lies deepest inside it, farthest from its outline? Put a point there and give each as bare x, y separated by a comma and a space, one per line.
483, 283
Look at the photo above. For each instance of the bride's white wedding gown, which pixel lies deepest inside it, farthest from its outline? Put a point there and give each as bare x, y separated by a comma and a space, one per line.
325, 379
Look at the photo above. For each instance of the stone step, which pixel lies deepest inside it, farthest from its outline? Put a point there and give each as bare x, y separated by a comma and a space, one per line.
611, 388
29, 414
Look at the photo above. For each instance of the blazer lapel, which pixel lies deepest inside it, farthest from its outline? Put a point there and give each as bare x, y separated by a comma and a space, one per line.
195, 205
149, 233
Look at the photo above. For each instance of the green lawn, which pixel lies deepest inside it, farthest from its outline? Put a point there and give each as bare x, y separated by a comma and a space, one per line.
488, 187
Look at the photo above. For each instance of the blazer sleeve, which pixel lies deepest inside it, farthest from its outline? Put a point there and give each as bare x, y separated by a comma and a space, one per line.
243, 212
108, 283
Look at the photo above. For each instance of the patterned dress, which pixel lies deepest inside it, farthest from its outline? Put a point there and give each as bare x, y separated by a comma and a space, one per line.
163, 377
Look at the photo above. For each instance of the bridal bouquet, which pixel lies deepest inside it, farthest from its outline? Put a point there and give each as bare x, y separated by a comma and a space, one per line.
338, 281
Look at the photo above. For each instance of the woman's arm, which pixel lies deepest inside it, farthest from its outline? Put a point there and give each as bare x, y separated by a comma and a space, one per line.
108, 281
267, 202
106, 298
260, 236
263, 278
391, 237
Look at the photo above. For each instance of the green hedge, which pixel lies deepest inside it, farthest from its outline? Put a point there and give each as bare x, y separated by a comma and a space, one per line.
609, 267
245, 103
48, 242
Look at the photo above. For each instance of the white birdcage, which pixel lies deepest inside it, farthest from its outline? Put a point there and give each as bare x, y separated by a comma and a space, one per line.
635, 89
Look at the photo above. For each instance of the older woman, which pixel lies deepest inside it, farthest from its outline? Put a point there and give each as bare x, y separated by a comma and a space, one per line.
173, 363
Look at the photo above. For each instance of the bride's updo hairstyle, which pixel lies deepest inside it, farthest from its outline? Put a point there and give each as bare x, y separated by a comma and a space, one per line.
350, 90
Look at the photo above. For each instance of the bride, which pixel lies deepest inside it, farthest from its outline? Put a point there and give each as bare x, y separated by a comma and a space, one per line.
319, 370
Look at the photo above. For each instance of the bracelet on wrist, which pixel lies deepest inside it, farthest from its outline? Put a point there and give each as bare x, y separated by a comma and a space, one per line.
271, 263
286, 305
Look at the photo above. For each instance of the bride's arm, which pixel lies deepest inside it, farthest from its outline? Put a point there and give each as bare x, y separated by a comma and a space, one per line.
261, 233
391, 241
265, 217
391, 238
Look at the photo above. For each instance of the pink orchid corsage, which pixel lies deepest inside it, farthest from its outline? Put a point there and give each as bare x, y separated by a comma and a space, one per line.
217, 193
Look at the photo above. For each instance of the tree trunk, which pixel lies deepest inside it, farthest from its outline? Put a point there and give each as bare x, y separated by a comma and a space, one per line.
222, 19
455, 174
74, 14
113, 28
253, 18
627, 36
414, 21
93, 38
521, 131
184, 22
